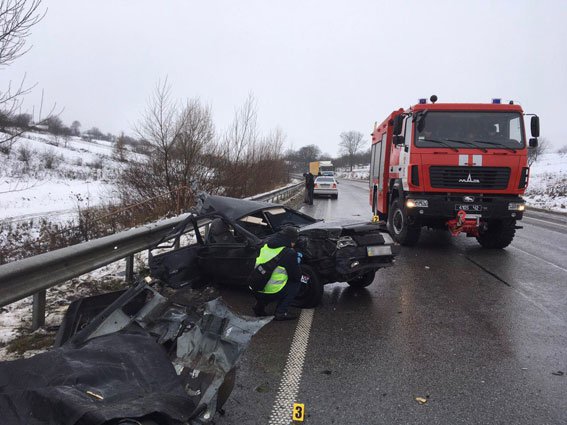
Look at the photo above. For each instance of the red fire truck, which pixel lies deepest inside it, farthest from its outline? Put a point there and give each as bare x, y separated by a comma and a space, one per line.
456, 166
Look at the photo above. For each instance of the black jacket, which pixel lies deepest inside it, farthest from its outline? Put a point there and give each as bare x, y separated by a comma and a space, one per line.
288, 259
310, 182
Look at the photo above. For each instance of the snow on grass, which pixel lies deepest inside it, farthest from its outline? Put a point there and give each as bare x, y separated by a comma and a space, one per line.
49, 175
547, 187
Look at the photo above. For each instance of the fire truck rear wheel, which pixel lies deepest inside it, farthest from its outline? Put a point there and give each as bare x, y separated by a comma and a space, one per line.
398, 224
499, 234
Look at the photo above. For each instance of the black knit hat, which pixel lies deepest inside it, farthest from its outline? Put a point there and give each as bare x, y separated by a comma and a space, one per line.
290, 232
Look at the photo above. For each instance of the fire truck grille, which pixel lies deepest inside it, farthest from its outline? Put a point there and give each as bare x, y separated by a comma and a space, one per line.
469, 177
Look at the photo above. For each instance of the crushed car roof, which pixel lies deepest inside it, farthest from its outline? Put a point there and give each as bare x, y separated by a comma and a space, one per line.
232, 208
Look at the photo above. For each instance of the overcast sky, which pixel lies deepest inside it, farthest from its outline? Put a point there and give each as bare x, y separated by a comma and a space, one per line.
316, 68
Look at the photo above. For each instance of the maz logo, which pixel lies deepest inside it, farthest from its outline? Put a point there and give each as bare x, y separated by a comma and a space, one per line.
469, 179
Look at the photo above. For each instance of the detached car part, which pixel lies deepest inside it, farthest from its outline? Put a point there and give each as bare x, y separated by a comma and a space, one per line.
145, 357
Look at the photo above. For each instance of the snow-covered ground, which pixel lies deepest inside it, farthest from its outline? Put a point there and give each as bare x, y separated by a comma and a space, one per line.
547, 188
46, 175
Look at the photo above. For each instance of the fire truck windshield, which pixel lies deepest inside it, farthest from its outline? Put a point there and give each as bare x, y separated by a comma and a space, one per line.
484, 130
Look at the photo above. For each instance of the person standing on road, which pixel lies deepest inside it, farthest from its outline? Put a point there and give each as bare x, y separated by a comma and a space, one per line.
310, 185
285, 280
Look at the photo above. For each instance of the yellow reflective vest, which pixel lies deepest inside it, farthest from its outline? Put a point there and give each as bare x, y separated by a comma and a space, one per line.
278, 279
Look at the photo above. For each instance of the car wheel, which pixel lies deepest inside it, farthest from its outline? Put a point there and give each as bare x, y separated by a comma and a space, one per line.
335, 196
363, 280
310, 294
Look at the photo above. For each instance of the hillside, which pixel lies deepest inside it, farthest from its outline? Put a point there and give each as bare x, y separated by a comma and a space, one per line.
47, 175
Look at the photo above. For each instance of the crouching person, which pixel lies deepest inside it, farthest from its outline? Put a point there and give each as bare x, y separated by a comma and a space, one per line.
285, 279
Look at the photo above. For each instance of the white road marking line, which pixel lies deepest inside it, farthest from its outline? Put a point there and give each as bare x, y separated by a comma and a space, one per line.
328, 210
539, 258
545, 221
289, 385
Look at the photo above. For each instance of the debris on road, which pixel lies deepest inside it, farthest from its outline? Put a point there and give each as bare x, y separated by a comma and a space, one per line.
421, 400
132, 354
558, 373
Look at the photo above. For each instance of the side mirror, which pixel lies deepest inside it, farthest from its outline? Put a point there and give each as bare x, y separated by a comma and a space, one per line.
398, 140
398, 123
533, 143
535, 126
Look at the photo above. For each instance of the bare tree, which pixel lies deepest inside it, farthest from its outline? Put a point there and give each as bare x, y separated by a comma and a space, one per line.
17, 18
75, 128
181, 144
309, 153
540, 149
119, 149
351, 143
250, 163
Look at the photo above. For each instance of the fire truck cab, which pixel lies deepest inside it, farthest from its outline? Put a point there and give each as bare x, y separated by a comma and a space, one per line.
456, 166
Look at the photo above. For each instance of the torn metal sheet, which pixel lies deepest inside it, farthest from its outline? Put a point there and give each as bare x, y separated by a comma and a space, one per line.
169, 358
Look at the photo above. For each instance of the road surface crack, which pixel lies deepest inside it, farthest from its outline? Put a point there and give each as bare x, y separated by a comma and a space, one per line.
494, 275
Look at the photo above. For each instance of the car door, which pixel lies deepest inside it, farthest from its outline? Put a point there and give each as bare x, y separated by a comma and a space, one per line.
230, 258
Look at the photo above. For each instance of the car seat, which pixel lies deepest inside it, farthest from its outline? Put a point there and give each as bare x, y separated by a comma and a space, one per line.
219, 232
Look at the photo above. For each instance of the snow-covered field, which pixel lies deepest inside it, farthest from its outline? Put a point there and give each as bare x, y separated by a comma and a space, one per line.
547, 188
46, 175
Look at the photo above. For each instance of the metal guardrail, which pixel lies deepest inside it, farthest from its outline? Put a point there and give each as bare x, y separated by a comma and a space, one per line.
34, 275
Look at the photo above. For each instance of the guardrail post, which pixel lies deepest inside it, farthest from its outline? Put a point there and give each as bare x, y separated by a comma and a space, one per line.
129, 274
38, 312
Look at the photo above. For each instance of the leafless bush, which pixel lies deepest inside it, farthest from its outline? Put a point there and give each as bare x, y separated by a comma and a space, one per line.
5, 148
22, 240
50, 160
24, 154
535, 153
96, 164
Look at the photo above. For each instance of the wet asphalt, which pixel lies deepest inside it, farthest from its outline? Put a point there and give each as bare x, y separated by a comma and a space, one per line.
479, 335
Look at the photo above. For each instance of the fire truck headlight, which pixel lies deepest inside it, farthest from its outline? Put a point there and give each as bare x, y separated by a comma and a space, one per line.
516, 206
419, 203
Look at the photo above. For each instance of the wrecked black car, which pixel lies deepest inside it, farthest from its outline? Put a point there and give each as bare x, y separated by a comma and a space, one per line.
229, 233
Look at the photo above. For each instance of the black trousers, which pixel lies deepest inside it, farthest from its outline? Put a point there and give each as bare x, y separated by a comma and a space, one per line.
282, 298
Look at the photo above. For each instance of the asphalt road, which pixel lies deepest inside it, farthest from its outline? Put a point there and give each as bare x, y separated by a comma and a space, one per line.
480, 335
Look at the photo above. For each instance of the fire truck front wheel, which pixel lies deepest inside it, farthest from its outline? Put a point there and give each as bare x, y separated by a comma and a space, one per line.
499, 234
399, 226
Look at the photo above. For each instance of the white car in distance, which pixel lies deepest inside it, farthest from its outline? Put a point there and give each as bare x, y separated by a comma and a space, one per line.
326, 186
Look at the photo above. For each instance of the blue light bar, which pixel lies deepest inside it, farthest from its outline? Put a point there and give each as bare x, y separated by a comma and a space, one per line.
497, 101
422, 101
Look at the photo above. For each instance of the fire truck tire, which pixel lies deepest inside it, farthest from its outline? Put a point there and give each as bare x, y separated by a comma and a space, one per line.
499, 234
404, 233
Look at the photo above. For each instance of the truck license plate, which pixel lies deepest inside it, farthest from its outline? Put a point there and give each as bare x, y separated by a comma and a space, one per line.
468, 207
374, 251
